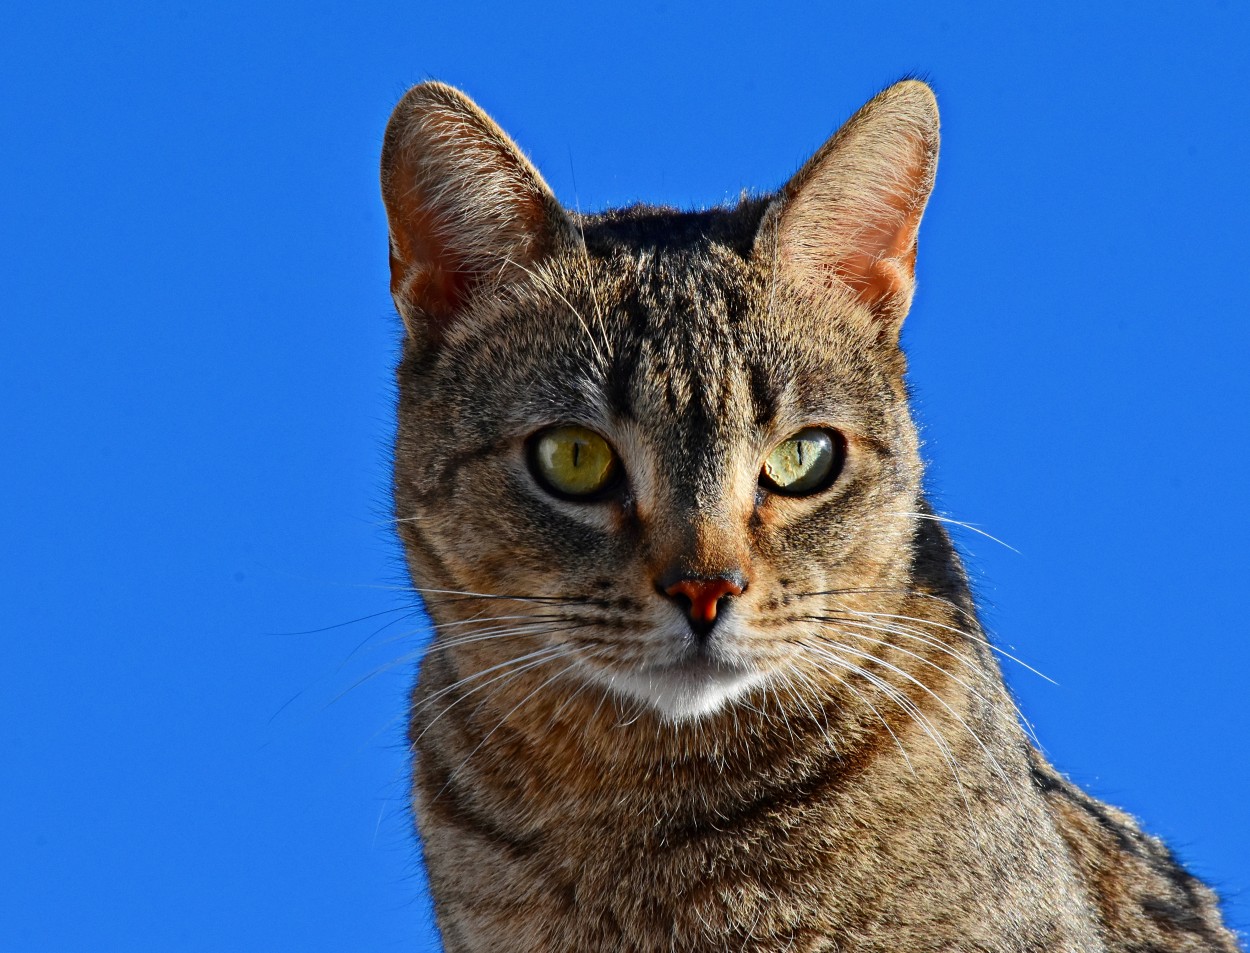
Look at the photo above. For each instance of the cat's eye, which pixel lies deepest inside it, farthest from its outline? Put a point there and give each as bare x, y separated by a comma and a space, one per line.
805, 463
573, 462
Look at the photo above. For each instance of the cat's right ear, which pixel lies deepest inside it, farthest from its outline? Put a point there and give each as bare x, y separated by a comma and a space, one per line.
464, 205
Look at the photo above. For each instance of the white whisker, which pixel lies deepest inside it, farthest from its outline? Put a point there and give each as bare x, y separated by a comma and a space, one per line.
530, 659
968, 526
499, 724
967, 635
934, 695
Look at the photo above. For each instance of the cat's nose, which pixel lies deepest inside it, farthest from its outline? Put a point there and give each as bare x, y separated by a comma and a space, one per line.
700, 597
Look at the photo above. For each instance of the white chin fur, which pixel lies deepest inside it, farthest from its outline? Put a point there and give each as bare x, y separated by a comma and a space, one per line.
682, 694
683, 684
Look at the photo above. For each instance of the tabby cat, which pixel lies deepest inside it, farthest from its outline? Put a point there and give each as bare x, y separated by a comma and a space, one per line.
707, 675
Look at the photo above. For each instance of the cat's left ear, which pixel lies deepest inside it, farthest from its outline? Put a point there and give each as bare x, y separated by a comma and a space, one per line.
848, 221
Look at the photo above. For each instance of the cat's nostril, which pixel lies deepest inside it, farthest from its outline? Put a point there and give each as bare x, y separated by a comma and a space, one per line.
700, 598
682, 600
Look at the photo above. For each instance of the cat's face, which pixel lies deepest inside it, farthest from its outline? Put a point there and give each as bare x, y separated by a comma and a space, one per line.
646, 451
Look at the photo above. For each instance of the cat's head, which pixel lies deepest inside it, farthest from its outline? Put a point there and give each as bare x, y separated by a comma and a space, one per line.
643, 450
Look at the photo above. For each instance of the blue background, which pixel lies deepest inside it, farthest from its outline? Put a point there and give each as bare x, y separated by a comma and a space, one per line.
206, 639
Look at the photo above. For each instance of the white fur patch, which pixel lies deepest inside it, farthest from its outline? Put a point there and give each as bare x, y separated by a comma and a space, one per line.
686, 683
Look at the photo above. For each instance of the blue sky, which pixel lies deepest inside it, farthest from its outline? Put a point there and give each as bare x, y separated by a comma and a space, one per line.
207, 644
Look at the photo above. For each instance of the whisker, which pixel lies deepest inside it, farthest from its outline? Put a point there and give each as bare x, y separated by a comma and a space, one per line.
463, 595
431, 591
359, 646
586, 683
968, 526
856, 670
485, 738
412, 607
968, 635
922, 595
891, 591
909, 633
895, 630
501, 632
915, 713
544, 655
822, 718
935, 696
550, 286
486, 671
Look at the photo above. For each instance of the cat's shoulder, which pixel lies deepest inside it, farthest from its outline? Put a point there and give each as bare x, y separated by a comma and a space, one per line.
1146, 900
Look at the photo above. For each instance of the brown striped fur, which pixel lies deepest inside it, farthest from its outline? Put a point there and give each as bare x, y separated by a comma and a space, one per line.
838, 766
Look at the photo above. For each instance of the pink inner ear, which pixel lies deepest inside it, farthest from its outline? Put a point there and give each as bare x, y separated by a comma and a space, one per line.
875, 279
882, 263
424, 270
434, 267
853, 219
879, 266
464, 205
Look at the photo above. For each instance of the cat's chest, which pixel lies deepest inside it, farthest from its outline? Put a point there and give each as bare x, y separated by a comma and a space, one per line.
822, 873
656, 905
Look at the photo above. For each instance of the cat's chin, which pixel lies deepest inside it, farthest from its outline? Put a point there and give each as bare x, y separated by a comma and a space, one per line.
688, 690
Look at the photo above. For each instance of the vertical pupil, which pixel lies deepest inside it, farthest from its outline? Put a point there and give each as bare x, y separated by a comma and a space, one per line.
577, 450
801, 445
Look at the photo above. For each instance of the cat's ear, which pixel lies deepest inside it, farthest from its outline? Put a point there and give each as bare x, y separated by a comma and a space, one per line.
848, 221
464, 206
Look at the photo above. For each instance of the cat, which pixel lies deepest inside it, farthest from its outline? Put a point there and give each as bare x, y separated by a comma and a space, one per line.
707, 673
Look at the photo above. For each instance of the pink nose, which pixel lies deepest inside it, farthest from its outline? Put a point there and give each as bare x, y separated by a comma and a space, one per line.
703, 596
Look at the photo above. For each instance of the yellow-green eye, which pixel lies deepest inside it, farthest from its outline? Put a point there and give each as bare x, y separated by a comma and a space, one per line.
573, 462
805, 463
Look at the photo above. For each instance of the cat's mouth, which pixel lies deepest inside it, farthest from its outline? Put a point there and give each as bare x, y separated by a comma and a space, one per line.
698, 665
697, 683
